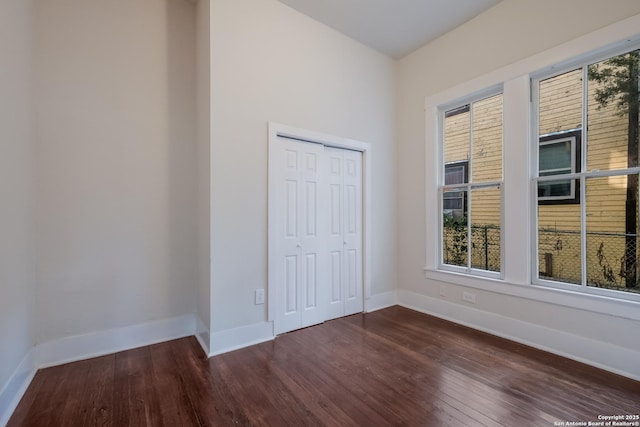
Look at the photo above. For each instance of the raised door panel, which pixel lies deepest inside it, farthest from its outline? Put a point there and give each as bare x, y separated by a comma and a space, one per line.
291, 284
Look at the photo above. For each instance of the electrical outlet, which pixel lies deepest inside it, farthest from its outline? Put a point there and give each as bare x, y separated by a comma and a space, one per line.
469, 297
259, 296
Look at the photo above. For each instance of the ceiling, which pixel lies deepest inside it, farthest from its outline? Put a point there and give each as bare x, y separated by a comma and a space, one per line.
393, 27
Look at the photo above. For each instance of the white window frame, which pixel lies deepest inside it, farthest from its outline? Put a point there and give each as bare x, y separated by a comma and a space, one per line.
467, 186
581, 61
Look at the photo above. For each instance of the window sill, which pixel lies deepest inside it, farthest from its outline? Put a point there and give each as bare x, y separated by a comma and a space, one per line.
578, 300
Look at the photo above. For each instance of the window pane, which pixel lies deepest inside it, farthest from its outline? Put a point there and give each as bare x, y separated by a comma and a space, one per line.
453, 201
612, 234
561, 102
454, 175
613, 113
487, 139
556, 155
457, 134
559, 250
454, 230
556, 189
485, 228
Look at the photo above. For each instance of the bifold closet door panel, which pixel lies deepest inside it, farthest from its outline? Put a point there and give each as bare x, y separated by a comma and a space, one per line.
352, 234
334, 167
299, 235
344, 244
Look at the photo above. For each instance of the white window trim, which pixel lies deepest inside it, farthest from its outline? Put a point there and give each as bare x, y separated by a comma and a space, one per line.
516, 77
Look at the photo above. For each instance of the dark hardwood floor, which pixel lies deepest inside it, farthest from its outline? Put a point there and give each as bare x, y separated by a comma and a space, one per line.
390, 367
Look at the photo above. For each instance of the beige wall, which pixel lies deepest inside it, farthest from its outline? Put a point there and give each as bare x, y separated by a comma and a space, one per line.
271, 63
116, 163
17, 244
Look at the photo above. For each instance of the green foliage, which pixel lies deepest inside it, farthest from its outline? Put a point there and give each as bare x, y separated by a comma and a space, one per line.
457, 229
450, 222
607, 271
618, 79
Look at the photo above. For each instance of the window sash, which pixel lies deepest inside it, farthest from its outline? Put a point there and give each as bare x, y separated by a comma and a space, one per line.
579, 177
447, 187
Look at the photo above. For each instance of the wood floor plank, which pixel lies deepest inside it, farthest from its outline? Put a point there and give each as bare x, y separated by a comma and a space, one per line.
170, 388
138, 403
93, 401
209, 396
393, 367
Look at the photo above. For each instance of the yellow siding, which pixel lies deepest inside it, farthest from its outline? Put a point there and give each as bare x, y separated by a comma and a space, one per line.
456, 138
561, 102
487, 139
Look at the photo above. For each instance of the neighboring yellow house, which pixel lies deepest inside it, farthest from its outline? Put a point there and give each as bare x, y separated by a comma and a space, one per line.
560, 131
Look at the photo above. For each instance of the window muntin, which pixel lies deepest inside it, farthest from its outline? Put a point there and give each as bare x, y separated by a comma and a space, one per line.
471, 194
594, 243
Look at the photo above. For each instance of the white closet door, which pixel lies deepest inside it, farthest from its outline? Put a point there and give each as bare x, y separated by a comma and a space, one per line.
335, 243
299, 235
352, 233
344, 242
315, 257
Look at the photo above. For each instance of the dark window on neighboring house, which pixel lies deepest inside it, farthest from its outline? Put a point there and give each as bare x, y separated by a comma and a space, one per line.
559, 154
454, 202
463, 109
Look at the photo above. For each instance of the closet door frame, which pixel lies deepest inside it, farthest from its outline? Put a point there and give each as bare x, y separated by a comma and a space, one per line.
276, 131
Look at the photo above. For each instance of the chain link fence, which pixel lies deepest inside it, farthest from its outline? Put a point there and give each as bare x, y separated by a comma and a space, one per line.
612, 258
485, 246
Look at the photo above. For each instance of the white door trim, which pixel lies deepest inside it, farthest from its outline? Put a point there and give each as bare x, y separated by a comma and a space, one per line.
279, 130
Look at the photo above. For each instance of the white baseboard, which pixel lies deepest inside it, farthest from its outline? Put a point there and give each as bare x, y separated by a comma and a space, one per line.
15, 388
80, 347
237, 338
380, 301
203, 335
616, 359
